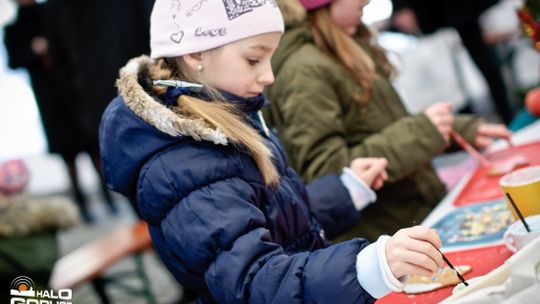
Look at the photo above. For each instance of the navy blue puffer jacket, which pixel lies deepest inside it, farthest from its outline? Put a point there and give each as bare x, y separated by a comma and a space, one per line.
213, 222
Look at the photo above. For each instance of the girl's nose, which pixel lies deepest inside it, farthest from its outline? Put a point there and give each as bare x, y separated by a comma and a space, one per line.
267, 76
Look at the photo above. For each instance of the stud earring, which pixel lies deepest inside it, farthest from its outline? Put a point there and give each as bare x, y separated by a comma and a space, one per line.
200, 68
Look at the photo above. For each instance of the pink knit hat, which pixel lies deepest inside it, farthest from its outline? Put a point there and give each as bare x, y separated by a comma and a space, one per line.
313, 4
188, 26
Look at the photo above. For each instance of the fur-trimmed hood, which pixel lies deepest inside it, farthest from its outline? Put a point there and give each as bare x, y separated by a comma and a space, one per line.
154, 112
136, 125
23, 215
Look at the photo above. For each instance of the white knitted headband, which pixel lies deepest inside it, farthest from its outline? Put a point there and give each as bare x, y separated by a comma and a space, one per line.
180, 27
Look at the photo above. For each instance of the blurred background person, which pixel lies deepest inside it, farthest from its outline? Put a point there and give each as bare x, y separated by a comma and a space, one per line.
333, 100
33, 43
91, 32
28, 228
427, 16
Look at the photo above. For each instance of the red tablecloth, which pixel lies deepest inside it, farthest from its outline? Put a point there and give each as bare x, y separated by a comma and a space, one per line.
482, 187
482, 261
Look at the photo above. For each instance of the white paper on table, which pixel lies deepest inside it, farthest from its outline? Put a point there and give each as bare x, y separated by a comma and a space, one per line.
516, 281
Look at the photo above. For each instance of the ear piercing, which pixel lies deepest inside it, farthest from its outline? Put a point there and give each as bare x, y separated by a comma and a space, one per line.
199, 67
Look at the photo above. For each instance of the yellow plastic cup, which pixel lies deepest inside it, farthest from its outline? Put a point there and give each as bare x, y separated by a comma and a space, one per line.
524, 187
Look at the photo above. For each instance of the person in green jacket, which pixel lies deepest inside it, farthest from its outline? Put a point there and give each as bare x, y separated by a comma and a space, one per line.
332, 101
28, 229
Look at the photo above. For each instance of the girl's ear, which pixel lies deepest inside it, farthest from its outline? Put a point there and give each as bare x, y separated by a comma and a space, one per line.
194, 61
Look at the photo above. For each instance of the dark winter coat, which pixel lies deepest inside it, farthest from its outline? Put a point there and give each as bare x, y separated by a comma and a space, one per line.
51, 77
214, 223
101, 36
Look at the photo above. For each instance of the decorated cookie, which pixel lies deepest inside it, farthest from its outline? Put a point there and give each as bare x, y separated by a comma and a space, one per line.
444, 277
508, 164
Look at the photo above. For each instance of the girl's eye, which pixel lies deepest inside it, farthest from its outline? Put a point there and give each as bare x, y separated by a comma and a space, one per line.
253, 61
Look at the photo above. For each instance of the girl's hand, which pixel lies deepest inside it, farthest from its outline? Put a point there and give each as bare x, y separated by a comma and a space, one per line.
413, 251
40, 45
440, 115
486, 132
371, 171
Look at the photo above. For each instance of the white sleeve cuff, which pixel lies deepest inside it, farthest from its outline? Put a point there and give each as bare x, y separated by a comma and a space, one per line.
360, 193
373, 272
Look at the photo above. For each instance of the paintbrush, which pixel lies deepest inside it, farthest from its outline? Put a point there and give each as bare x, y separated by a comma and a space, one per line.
454, 269
470, 149
518, 212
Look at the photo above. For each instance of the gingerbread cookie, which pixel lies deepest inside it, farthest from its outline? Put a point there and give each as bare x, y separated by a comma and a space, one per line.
508, 164
444, 277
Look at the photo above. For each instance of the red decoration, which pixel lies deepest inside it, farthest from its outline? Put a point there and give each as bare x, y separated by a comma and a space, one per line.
532, 101
530, 25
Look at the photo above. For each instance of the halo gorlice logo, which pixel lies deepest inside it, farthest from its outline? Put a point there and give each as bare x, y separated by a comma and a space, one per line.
22, 286
22, 292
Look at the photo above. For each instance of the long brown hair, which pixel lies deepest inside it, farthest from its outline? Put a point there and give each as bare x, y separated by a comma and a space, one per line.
335, 42
219, 114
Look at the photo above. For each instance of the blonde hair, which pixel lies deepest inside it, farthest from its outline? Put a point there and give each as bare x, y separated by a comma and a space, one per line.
219, 114
335, 42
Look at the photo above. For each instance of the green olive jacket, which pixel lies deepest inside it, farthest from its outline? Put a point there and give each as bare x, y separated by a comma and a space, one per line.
323, 128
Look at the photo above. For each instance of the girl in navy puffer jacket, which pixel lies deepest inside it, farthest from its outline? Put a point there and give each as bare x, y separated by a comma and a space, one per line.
227, 215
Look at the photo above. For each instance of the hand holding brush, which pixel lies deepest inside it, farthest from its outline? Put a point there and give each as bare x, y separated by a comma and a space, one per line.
414, 251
